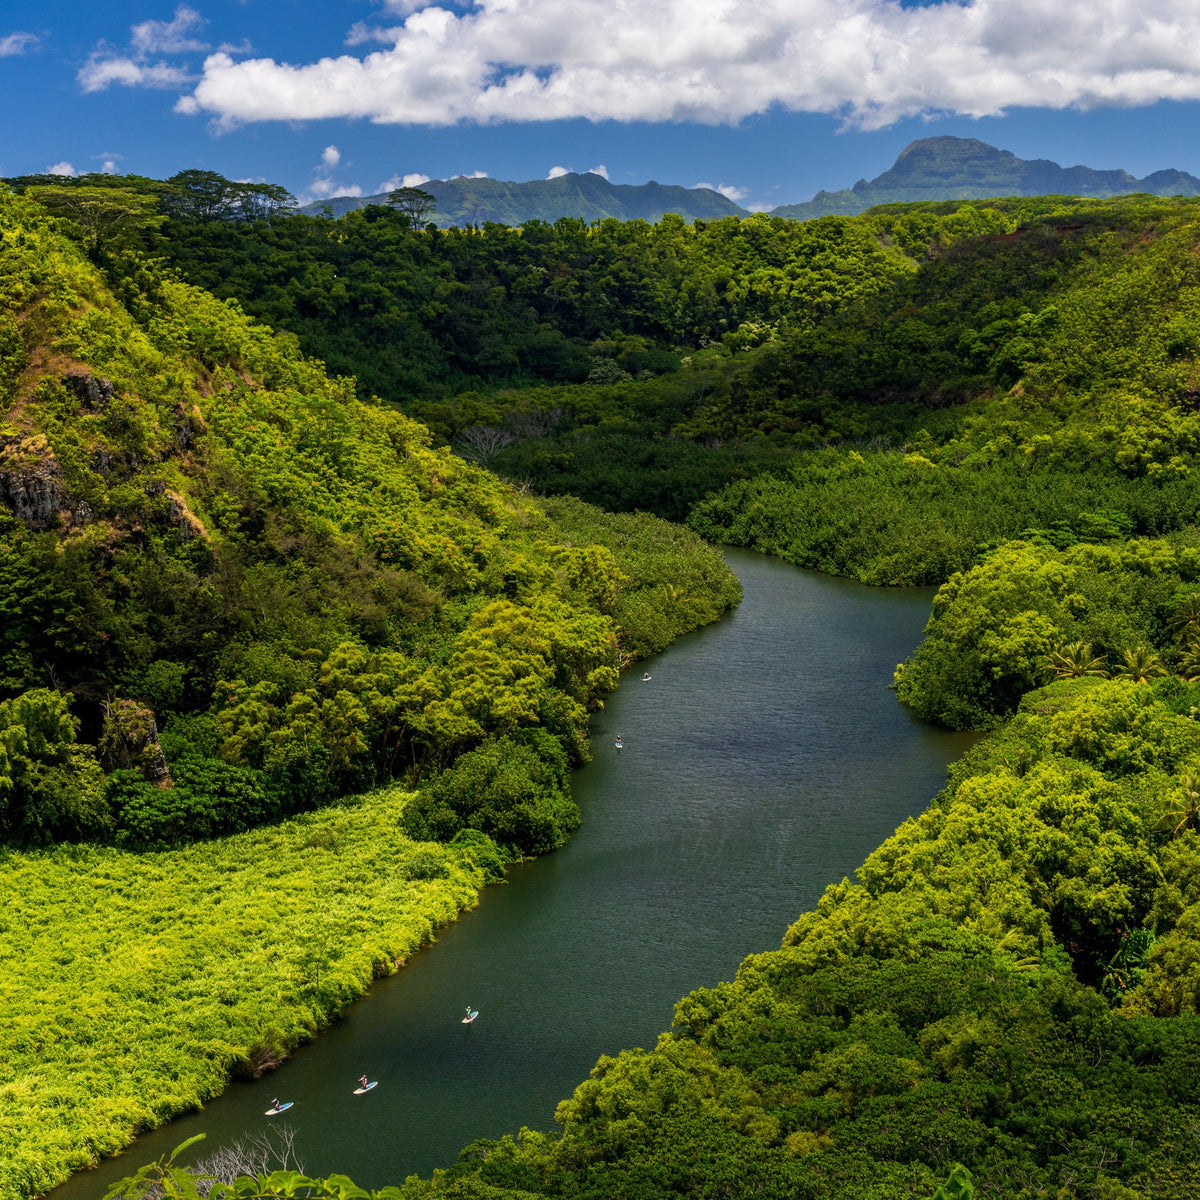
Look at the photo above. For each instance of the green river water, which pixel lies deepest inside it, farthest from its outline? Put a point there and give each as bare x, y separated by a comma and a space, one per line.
763, 760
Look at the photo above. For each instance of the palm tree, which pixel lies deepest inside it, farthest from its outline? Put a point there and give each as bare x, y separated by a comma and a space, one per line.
1076, 660
1189, 663
1184, 812
1140, 665
1184, 621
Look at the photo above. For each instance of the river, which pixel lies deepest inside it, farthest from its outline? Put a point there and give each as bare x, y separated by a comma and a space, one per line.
763, 760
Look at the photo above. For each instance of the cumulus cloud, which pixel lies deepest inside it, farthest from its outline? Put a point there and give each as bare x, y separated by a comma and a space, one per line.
472, 175
169, 37
871, 61
324, 189
133, 67
728, 190
601, 170
17, 43
331, 156
61, 168
102, 70
556, 172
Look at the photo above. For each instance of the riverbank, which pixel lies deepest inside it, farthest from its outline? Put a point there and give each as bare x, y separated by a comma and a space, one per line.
134, 986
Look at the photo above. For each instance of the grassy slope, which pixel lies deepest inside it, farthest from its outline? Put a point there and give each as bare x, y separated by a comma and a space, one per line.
132, 985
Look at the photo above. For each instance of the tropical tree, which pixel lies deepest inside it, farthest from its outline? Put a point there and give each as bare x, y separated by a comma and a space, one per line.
1141, 665
1189, 663
1184, 621
414, 203
102, 219
1183, 812
1076, 660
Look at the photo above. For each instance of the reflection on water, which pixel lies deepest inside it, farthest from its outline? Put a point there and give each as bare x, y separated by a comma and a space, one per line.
763, 760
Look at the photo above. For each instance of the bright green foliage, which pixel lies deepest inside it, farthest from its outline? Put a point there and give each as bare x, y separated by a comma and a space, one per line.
220, 528
1006, 625
515, 789
133, 985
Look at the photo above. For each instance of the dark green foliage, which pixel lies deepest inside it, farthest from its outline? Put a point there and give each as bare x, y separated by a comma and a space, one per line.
515, 789
416, 315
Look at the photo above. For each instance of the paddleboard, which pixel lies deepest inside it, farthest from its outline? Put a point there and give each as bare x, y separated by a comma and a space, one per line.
359, 1091
469, 1018
274, 1112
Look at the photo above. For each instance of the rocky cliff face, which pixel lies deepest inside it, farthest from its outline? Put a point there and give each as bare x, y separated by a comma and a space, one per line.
31, 481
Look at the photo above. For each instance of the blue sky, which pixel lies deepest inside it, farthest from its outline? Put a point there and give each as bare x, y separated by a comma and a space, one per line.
770, 100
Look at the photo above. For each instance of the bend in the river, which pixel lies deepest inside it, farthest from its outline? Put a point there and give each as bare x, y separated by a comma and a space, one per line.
764, 759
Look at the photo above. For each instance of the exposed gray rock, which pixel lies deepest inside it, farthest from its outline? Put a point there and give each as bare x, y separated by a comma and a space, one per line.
90, 390
31, 481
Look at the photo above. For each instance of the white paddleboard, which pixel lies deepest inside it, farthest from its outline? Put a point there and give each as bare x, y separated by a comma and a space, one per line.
359, 1091
274, 1112
469, 1018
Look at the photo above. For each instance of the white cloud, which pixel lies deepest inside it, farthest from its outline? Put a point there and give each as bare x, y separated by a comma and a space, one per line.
555, 172
324, 189
715, 61
331, 156
414, 179
133, 68
100, 71
360, 33
17, 43
473, 175
61, 168
168, 37
728, 190
108, 167
601, 169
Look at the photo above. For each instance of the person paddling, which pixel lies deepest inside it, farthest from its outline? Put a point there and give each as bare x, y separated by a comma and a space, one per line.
363, 1081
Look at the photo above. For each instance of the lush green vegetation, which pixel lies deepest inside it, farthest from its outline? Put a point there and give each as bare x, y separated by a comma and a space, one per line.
231, 590
1010, 983
1029, 613
309, 597
418, 315
207, 536
133, 985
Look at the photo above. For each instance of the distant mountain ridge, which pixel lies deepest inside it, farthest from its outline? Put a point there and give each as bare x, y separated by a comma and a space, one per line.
953, 168
936, 168
463, 201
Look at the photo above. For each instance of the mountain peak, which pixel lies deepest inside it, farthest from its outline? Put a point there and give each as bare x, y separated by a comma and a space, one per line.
954, 168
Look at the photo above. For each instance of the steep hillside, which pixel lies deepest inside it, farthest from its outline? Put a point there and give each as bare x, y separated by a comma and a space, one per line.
205, 535
464, 201
952, 168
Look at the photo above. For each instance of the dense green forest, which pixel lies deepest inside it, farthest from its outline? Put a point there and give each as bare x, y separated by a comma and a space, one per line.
235, 587
233, 596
